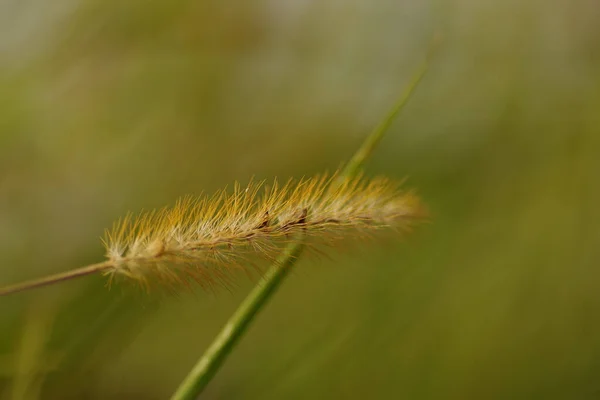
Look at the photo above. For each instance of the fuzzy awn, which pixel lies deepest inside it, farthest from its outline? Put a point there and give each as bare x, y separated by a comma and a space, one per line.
201, 239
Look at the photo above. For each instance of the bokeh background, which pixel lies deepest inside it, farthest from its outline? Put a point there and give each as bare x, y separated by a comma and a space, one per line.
108, 106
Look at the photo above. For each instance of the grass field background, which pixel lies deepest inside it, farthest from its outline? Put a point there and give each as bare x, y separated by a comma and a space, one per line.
109, 106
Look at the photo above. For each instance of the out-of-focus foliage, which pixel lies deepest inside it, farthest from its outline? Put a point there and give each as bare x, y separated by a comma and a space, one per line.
108, 106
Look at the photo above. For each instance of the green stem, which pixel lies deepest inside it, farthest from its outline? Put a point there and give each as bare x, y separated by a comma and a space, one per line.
56, 278
210, 362
373, 139
214, 356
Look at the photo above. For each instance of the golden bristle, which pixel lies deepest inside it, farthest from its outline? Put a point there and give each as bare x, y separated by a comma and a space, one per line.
203, 239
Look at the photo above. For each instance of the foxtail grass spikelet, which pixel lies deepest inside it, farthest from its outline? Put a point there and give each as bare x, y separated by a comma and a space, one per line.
204, 239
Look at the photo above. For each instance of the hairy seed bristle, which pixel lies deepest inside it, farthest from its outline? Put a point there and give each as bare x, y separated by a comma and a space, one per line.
203, 239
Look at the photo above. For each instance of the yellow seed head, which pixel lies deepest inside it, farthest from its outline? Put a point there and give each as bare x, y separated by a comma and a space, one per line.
203, 239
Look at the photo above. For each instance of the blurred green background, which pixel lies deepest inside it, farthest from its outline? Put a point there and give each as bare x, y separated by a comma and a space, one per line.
108, 106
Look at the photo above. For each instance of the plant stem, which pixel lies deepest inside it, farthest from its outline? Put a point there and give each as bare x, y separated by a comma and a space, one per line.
373, 139
210, 362
214, 356
56, 278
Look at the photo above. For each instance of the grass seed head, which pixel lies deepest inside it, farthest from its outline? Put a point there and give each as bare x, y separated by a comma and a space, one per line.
205, 239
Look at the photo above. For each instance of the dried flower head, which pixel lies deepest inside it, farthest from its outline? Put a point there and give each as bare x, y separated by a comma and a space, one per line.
203, 239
